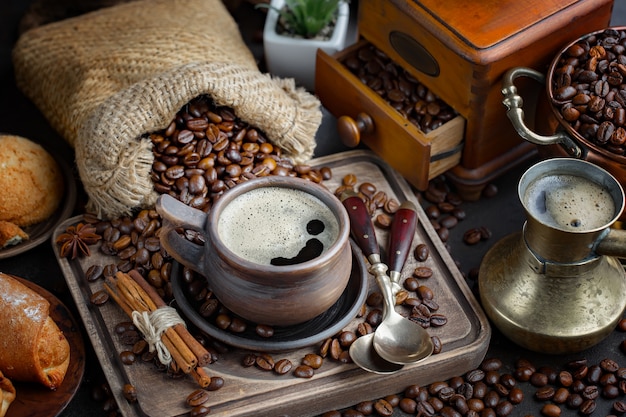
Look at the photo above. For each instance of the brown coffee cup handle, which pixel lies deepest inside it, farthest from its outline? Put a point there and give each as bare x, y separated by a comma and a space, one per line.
515, 113
177, 215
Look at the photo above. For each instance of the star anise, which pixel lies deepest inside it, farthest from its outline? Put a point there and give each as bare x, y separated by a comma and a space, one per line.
77, 239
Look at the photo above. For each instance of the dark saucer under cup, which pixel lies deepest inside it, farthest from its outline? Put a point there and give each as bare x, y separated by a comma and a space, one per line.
326, 325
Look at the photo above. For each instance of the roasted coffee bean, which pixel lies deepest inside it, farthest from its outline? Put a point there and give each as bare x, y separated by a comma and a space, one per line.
408, 405
363, 329
544, 393
574, 401
197, 397
425, 293
383, 221
140, 347
438, 320
248, 360
516, 395
475, 376
365, 407
504, 408
335, 349
200, 411
374, 317
590, 392
587, 407
437, 344
560, 395
283, 366
619, 407
94, 272
565, 378
312, 360
448, 411
383, 408
539, 379
610, 391
433, 211
303, 371
472, 236
551, 410
264, 361
264, 330
449, 222
411, 284
491, 364
237, 325
480, 389
491, 399
391, 206
99, 297
491, 378
127, 357
217, 382
421, 252
423, 272
609, 365
130, 393
608, 379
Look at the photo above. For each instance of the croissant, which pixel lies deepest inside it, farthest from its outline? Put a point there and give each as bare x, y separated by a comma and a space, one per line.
7, 394
32, 347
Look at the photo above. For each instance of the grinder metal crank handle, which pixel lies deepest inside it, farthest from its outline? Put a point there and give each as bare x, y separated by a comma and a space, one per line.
361, 226
401, 237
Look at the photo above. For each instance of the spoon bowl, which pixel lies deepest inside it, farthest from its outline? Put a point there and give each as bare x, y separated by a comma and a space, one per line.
363, 354
397, 339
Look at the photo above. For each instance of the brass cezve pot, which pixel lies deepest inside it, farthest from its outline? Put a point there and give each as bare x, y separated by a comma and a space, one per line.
562, 139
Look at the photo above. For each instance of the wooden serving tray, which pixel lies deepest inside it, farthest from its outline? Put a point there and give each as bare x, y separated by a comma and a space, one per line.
250, 391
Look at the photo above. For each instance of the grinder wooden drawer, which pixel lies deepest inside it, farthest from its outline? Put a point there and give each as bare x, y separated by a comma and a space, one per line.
416, 155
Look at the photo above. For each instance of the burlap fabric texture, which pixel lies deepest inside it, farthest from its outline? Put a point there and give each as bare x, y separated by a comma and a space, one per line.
107, 78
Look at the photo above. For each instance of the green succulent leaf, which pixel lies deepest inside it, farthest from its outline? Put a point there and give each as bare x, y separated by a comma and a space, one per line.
308, 17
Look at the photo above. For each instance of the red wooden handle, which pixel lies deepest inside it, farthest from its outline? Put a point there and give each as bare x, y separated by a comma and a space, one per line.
401, 236
361, 224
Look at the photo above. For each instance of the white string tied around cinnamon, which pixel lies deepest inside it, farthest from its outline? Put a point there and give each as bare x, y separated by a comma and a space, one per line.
153, 324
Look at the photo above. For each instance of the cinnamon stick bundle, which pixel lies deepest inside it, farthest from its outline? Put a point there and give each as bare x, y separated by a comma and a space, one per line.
132, 293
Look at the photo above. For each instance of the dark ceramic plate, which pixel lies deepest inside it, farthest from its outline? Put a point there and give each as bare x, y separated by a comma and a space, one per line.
34, 400
313, 331
41, 232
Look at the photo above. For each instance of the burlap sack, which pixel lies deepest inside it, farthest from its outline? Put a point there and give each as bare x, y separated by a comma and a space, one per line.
107, 78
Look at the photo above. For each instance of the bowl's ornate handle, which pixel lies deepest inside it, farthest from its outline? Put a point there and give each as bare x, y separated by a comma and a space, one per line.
515, 113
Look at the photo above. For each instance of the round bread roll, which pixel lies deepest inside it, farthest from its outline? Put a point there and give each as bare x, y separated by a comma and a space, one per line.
31, 181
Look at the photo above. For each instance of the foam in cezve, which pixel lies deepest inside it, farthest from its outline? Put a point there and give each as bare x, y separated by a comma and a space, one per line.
570, 202
271, 222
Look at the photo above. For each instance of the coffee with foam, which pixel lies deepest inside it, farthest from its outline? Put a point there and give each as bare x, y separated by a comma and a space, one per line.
269, 223
569, 202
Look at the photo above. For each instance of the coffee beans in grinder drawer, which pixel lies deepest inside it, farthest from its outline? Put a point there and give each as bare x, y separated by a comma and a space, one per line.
412, 99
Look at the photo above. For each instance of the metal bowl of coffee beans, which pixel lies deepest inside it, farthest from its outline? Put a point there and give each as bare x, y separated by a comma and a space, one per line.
583, 113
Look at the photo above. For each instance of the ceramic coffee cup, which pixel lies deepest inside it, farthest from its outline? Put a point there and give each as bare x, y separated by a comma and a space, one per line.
276, 252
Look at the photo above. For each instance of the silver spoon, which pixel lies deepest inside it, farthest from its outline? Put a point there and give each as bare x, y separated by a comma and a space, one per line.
413, 342
402, 231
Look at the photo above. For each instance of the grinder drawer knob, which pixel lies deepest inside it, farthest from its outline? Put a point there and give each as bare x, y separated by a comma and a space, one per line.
350, 130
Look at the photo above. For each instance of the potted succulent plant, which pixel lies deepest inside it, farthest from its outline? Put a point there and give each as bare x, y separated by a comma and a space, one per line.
295, 29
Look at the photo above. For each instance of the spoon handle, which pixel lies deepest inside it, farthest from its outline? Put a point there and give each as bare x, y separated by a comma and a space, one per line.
361, 226
401, 237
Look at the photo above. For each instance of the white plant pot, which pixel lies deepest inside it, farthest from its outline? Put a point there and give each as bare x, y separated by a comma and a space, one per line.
290, 57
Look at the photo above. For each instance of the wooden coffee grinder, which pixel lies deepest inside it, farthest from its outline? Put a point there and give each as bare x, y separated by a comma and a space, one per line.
459, 50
